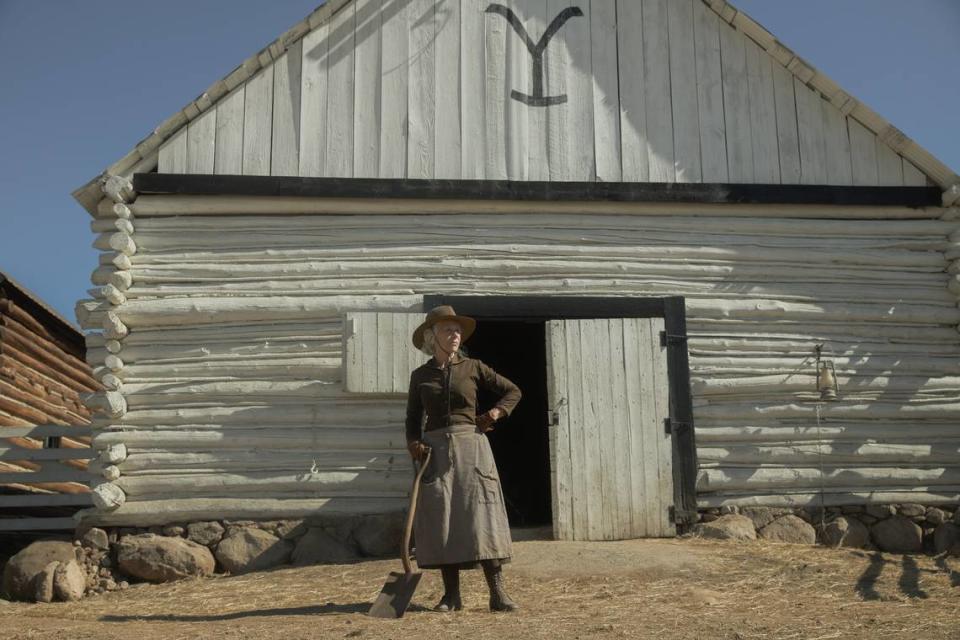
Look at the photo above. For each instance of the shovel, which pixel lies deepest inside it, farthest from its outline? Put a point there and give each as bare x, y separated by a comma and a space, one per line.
397, 591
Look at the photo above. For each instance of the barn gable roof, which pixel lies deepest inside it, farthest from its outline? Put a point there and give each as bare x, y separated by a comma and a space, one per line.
170, 137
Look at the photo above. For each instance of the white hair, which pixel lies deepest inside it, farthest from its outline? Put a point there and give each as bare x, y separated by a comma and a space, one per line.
429, 340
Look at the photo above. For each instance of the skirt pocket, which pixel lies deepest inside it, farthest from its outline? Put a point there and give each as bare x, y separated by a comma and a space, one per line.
488, 487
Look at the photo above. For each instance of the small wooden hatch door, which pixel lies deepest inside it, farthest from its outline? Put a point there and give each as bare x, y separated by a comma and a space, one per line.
610, 453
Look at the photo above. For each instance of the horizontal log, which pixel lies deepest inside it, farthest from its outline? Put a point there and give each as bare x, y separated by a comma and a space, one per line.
760, 346
836, 497
153, 461
833, 453
11, 311
109, 209
56, 409
45, 500
768, 478
115, 259
766, 309
262, 368
25, 365
238, 333
111, 275
159, 512
111, 225
113, 327
52, 474
229, 352
172, 205
118, 189
910, 431
70, 363
321, 484
119, 242
19, 453
107, 496
27, 412
45, 431
831, 411
37, 524
114, 454
305, 438
109, 293
826, 332
800, 382
110, 403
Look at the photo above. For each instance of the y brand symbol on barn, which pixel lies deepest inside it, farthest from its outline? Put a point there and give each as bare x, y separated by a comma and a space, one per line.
536, 50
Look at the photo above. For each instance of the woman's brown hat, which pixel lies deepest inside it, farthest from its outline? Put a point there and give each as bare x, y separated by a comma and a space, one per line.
439, 314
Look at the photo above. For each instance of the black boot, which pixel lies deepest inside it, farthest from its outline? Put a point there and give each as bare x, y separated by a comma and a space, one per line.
499, 600
451, 590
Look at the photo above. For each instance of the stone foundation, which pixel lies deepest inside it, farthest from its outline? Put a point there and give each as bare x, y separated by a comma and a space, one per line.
896, 528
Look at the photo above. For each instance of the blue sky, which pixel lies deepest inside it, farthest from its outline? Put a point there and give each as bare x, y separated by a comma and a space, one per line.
83, 82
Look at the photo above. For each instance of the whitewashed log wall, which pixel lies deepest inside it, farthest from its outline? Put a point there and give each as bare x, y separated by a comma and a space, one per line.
221, 346
658, 90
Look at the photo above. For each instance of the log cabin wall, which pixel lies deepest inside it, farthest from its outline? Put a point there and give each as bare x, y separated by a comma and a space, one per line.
229, 392
43, 378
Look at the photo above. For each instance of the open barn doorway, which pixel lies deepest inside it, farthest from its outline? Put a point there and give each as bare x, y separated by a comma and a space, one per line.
520, 443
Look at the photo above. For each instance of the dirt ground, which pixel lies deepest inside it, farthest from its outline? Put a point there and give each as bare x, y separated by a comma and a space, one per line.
661, 589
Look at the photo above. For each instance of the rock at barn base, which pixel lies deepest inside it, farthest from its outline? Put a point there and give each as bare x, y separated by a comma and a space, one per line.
23, 568
946, 539
380, 535
935, 516
762, 516
846, 532
43, 583
790, 529
161, 559
319, 547
95, 539
205, 533
69, 581
245, 550
897, 535
881, 511
728, 527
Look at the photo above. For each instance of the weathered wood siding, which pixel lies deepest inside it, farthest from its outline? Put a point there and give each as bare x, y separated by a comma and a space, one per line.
225, 342
655, 91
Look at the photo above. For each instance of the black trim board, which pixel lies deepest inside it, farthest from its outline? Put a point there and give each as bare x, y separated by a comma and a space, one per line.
673, 312
652, 192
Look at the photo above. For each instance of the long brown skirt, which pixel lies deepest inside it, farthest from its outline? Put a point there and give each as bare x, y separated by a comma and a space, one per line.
460, 516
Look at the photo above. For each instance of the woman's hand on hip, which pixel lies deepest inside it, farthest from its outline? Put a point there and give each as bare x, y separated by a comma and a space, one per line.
485, 421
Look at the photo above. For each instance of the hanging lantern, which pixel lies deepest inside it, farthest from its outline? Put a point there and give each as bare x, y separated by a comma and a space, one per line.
827, 385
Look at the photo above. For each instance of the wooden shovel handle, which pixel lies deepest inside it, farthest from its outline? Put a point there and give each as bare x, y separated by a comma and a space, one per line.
408, 530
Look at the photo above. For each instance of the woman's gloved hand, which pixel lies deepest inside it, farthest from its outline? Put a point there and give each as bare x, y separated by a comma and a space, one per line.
418, 450
485, 420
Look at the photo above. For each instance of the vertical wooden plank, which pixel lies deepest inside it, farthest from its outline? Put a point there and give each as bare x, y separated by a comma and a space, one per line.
496, 95
421, 96
788, 142
473, 89
228, 156
836, 146
579, 76
340, 97
285, 157
633, 119
576, 428
516, 78
387, 352
889, 166
447, 143
395, 67
635, 404
172, 157
913, 177
366, 115
538, 163
763, 116
592, 463
605, 454
257, 123
352, 352
619, 465
313, 102
403, 361
683, 91
202, 143
555, 64
713, 136
558, 401
661, 397
606, 92
656, 73
369, 351
810, 132
736, 105
649, 430
863, 147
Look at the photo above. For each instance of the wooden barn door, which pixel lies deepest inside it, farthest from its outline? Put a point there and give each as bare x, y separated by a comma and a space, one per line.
610, 454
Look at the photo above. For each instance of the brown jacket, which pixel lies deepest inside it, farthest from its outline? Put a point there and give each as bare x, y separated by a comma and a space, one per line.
449, 395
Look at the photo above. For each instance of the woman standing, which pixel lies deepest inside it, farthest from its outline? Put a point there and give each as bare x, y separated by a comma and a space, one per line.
460, 519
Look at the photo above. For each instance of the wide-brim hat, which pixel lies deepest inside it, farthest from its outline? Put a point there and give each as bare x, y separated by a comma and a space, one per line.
440, 314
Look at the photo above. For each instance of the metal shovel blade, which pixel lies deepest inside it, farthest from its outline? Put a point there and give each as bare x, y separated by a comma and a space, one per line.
395, 596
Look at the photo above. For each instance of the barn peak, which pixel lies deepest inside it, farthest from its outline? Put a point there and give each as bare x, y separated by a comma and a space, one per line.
611, 91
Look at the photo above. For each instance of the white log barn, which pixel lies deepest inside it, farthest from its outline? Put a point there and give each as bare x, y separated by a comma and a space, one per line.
668, 224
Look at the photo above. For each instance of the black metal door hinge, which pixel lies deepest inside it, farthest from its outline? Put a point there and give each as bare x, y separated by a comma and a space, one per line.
670, 425
671, 338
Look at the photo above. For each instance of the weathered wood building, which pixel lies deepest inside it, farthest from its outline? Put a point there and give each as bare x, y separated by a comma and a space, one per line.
46, 444
667, 222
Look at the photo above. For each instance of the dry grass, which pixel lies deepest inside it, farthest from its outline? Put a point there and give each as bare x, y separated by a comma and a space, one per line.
635, 589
